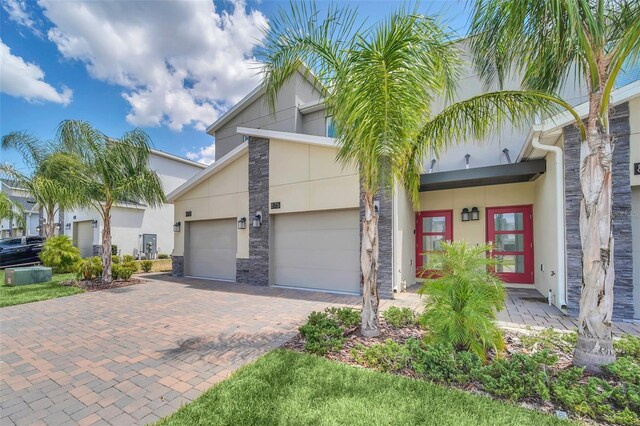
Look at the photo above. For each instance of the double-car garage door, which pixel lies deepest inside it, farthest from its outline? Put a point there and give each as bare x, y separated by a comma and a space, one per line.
212, 249
318, 250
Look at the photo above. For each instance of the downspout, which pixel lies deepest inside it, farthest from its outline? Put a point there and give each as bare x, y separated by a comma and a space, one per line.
560, 219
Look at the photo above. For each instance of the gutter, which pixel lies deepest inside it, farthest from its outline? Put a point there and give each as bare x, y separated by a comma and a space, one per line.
560, 222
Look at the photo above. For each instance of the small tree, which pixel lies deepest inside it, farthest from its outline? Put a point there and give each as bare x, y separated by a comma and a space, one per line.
60, 254
11, 211
113, 170
50, 171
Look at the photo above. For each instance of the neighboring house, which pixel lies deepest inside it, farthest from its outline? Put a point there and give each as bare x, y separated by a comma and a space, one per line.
135, 228
20, 196
277, 209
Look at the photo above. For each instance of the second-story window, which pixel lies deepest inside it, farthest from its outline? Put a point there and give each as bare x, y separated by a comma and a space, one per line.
330, 128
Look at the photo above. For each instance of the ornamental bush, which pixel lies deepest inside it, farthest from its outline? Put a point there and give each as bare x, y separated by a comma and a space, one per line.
60, 254
163, 256
146, 265
399, 317
628, 345
462, 299
127, 258
441, 363
89, 268
345, 317
388, 356
322, 334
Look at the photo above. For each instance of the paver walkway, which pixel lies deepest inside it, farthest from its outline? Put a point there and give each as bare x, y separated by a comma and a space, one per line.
132, 355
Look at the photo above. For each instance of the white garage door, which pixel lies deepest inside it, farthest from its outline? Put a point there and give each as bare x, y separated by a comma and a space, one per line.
212, 249
84, 238
319, 250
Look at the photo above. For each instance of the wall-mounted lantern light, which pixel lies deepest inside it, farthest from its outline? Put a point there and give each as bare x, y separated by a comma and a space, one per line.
466, 160
94, 223
67, 226
465, 215
242, 223
257, 220
58, 226
38, 229
176, 227
475, 213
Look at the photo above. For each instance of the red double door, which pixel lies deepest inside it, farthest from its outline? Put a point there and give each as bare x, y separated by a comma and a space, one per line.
509, 229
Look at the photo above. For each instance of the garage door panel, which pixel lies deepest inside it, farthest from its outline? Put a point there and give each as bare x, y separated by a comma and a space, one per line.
319, 250
212, 249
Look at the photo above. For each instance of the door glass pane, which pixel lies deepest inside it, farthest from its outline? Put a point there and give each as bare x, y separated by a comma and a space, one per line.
427, 261
433, 224
432, 242
508, 221
509, 242
510, 263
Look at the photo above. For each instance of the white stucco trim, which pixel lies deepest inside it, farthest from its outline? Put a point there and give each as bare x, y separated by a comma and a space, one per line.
208, 172
289, 137
313, 106
176, 158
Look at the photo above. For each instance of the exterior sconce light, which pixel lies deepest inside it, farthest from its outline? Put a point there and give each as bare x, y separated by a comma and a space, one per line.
466, 160
67, 226
58, 226
465, 215
176, 227
242, 223
475, 213
257, 220
38, 229
94, 223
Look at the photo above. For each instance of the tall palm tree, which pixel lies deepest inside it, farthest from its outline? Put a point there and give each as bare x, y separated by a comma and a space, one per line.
548, 40
381, 83
114, 170
48, 176
11, 211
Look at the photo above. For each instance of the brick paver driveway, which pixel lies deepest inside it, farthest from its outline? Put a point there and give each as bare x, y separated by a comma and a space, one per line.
131, 355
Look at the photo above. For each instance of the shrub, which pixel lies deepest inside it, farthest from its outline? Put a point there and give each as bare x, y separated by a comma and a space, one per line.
388, 356
625, 369
163, 256
114, 250
520, 377
126, 271
322, 334
550, 339
345, 317
628, 345
462, 300
60, 254
441, 363
115, 259
399, 317
127, 258
89, 268
146, 265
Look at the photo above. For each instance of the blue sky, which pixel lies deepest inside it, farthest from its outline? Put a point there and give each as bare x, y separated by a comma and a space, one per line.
168, 67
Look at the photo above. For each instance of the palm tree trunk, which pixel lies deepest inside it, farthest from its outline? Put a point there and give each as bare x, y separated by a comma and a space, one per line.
369, 267
49, 226
106, 247
594, 346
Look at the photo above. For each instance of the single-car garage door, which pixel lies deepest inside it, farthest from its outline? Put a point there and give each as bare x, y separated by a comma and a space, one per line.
84, 238
212, 249
319, 250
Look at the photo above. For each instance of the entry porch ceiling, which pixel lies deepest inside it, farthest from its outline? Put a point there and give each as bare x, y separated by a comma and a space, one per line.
525, 171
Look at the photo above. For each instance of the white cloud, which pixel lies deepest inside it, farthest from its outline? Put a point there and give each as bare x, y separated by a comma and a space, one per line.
18, 13
206, 155
26, 80
179, 63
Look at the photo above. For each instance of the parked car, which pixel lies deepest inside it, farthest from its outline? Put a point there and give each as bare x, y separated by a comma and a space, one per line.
20, 251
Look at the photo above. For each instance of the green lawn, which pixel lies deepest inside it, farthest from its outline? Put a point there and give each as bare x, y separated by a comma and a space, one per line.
18, 295
290, 388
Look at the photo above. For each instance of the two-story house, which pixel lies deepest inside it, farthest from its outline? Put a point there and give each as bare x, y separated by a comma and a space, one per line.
275, 208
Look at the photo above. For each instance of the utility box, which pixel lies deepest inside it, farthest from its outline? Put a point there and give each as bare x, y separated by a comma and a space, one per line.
25, 276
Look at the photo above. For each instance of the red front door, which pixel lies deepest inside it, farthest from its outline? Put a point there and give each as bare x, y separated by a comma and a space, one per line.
432, 227
510, 229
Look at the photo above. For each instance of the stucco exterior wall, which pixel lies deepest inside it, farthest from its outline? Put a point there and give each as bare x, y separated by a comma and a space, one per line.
481, 197
545, 230
404, 252
634, 141
305, 177
223, 195
635, 230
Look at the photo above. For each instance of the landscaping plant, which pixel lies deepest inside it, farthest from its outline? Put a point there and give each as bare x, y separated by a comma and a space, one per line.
89, 268
389, 356
163, 256
379, 84
545, 41
322, 334
146, 265
399, 317
441, 363
462, 299
11, 211
60, 254
345, 317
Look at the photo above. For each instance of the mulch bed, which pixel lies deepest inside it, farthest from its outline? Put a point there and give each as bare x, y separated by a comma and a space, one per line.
97, 285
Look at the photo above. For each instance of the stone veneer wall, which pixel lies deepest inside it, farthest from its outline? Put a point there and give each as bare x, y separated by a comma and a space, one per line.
258, 272
242, 270
385, 249
623, 260
177, 266
97, 249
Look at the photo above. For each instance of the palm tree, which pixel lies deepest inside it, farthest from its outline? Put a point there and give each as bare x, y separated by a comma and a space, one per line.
547, 40
381, 83
114, 170
11, 211
47, 181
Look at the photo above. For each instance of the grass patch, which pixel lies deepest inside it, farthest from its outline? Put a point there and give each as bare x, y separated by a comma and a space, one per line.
17, 295
159, 265
286, 387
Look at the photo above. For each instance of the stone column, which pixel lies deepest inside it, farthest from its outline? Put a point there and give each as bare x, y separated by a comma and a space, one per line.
177, 266
258, 268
